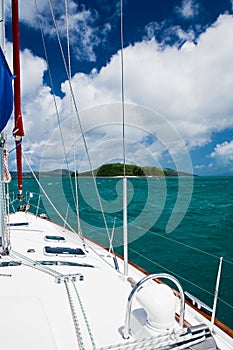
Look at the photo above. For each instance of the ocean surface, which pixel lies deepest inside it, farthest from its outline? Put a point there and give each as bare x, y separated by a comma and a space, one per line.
179, 225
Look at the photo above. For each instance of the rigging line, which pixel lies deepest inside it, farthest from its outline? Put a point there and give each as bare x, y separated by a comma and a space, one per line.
179, 276
122, 88
183, 244
54, 99
190, 247
168, 270
112, 236
124, 204
58, 213
13, 149
72, 117
47, 197
79, 119
68, 38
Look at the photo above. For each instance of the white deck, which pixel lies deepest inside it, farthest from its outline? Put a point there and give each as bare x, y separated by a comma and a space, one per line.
38, 311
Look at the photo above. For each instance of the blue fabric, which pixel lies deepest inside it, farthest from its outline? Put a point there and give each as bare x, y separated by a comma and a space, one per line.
6, 92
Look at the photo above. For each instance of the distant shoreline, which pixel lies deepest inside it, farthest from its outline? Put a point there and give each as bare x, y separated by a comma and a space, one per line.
111, 170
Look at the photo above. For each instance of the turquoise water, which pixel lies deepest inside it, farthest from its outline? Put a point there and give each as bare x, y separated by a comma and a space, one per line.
192, 249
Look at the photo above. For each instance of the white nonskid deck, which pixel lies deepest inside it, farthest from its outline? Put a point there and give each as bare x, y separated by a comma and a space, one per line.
66, 307
39, 309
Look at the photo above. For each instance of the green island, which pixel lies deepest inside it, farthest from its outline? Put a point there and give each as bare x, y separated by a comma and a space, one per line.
117, 169
109, 170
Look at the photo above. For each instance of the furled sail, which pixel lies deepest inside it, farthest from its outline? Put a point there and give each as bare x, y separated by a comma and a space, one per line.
6, 92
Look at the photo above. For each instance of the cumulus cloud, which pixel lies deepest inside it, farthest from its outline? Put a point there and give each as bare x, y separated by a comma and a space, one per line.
223, 153
38, 109
32, 67
190, 87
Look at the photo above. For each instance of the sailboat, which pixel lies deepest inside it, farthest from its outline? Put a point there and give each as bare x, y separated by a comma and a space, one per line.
61, 290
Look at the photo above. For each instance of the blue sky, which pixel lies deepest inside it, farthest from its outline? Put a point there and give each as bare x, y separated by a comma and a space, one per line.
178, 76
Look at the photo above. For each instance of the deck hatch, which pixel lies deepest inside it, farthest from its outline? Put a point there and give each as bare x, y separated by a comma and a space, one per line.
63, 251
52, 238
63, 263
18, 224
9, 263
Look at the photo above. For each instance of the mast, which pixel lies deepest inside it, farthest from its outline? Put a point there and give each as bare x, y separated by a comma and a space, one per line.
18, 131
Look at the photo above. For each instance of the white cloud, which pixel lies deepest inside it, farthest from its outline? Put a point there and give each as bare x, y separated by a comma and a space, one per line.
169, 35
188, 9
198, 167
84, 27
37, 106
223, 153
32, 67
190, 87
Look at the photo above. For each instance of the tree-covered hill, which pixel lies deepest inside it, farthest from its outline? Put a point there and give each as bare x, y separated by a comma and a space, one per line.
117, 169
109, 170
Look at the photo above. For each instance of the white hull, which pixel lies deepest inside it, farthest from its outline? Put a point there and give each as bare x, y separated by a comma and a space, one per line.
44, 308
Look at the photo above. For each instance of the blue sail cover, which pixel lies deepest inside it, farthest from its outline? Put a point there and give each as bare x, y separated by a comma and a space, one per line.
6, 92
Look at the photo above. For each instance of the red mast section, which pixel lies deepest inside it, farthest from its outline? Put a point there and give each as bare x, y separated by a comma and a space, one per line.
18, 131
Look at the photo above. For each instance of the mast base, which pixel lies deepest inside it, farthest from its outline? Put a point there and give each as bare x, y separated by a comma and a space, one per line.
20, 197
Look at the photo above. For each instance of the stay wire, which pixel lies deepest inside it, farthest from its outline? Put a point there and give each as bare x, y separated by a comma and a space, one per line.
122, 87
72, 118
79, 119
54, 99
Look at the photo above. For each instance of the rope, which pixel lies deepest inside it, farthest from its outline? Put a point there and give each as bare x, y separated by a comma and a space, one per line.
7, 175
84, 316
5, 178
48, 270
169, 340
75, 318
